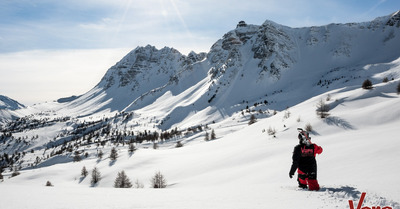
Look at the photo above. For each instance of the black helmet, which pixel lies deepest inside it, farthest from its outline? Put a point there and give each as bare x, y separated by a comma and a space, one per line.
304, 138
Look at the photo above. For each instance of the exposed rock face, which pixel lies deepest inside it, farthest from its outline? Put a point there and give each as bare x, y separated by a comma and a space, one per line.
139, 65
394, 20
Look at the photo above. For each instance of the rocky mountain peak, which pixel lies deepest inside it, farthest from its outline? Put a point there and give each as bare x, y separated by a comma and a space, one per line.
139, 64
394, 19
273, 47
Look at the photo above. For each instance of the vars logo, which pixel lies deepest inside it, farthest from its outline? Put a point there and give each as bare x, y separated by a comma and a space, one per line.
360, 202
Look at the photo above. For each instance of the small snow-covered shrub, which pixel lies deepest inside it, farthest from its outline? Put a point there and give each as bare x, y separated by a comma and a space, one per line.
385, 80
287, 114
367, 84
179, 144
138, 184
328, 98
49, 184
252, 119
271, 131
15, 173
308, 127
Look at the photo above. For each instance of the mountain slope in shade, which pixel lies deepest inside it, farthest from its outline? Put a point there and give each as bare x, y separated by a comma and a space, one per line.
7, 103
7, 108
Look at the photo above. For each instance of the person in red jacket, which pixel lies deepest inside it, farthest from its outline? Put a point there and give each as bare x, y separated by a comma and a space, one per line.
304, 162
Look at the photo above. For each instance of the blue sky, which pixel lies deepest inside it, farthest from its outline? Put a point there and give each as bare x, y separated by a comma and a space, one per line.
40, 31
183, 24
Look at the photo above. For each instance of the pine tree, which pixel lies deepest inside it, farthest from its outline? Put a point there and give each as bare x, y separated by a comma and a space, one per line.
155, 146
37, 161
322, 109
158, 181
77, 157
96, 176
113, 154
122, 181
100, 154
132, 148
1, 171
84, 172
213, 136
207, 137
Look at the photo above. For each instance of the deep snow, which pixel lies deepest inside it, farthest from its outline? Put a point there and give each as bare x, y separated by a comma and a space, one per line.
244, 167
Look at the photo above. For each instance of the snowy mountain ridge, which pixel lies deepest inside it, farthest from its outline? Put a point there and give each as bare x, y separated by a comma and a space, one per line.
266, 59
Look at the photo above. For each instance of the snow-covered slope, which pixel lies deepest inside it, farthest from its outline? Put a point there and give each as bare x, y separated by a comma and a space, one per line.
7, 107
244, 168
9, 104
275, 73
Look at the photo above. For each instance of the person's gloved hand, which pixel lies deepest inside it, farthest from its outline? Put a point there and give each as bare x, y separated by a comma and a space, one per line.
290, 175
